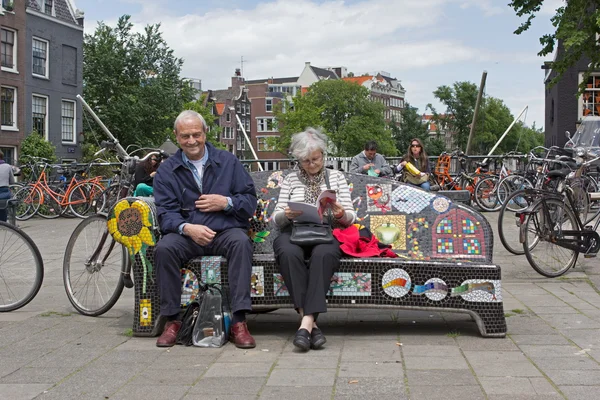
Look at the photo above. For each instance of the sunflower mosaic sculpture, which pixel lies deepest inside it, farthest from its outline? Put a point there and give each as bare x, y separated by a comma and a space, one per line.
131, 223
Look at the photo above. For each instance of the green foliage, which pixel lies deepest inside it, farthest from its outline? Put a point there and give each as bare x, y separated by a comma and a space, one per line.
132, 82
344, 111
460, 105
410, 127
577, 23
35, 145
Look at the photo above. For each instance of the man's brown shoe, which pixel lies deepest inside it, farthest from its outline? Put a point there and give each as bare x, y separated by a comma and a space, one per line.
241, 337
167, 339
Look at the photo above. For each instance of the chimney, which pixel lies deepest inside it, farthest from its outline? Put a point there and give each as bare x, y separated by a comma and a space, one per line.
79, 17
238, 72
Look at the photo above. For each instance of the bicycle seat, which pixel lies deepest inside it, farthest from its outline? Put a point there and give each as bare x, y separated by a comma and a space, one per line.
560, 173
482, 164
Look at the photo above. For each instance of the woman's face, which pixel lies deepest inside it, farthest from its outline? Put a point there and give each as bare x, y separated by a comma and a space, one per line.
415, 148
313, 163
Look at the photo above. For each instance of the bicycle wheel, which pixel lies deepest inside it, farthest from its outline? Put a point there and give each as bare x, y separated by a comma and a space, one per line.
109, 197
28, 201
21, 268
511, 184
82, 196
509, 223
92, 267
486, 194
546, 224
50, 207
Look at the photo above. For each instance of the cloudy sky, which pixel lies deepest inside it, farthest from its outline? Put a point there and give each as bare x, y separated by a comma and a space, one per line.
423, 43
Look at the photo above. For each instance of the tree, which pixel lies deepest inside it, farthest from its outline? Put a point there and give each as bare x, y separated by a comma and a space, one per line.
345, 112
577, 24
411, 127
35, 145
132, 82
460, 105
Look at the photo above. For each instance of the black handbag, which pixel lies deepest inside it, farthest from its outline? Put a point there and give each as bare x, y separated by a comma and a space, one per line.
188, 321
311, 234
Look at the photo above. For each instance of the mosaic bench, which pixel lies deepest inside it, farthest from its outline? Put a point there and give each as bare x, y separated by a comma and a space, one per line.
444, 264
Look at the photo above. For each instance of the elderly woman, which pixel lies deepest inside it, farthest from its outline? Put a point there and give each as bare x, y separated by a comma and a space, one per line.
308, 282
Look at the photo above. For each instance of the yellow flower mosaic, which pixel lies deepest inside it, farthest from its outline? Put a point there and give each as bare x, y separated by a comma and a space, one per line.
129, 225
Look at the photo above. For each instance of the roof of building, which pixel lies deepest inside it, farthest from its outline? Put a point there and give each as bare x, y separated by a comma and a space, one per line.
274, 81
220, 108
324, 73
360, 79
62, 10
224, 94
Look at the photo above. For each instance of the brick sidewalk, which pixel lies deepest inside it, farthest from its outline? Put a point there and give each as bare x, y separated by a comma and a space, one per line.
552, 349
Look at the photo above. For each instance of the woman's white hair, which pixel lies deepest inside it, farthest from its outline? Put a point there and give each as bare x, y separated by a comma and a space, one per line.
189, 114
306, 142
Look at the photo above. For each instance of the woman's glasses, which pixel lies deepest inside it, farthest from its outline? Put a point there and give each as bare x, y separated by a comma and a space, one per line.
415, 145
314, 161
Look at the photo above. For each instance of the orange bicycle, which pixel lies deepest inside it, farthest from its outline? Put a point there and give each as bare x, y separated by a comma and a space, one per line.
52, 201
462, 181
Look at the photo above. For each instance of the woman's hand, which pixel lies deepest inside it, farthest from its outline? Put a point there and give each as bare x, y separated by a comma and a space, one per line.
152, 174
338, 210
291, 214
402, 164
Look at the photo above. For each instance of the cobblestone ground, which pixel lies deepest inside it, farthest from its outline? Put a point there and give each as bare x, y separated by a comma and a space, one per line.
552, 350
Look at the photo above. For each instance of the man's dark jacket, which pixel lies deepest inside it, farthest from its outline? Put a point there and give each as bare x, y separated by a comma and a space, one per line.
175, 192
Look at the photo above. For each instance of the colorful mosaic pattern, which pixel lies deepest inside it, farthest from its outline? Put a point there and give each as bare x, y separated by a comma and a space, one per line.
390, 229
416, 227
440, 204
146, 312
257, 282
434, 289
350, 284
410, 200
468, 227
445, 226
396, 282
471, 246
211, 269
478, 290
190, 287
445, 246
378, 197
279, 288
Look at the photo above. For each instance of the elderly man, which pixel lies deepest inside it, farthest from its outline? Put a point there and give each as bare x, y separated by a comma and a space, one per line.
369, 162
204, 198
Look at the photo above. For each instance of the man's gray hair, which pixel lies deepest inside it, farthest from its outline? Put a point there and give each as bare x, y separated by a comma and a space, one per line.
189, 114
306, 142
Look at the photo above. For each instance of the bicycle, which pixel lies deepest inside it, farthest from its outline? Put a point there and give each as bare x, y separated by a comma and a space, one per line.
21, 266
95, 267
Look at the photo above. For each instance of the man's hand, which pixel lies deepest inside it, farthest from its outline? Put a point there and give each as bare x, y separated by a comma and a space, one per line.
200, 234
211, 203
367, 166
377, 171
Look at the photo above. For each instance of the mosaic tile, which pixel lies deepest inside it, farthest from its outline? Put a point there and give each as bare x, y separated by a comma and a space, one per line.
190, 287
279, 287
410, 200
350, 284
211, 269
390, 229
379, 197
257, 282
395, 282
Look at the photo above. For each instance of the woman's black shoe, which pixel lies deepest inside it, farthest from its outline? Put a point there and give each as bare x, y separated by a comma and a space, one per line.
302, 339
317, 339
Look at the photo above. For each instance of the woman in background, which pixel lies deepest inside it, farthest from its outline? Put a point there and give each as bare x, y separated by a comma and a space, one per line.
418, 158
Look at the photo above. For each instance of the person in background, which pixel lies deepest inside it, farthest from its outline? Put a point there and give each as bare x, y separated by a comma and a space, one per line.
308, 283
369, 162
204, 199
418, 158
143, 178
6, 179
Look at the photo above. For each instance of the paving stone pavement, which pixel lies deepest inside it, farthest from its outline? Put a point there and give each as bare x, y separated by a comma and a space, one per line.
551, 351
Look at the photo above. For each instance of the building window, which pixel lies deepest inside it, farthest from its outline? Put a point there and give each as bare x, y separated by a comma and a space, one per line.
268, 105
590, 99
68, 121
8, 108
262, 143
266, 125
227, 133
40, 57
9, 155
39, 115
241, 143
48, 7
227, 117
247, 125
8, 38
238, 108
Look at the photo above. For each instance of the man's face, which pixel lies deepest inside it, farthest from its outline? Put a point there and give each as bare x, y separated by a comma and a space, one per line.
191, 138
370, 154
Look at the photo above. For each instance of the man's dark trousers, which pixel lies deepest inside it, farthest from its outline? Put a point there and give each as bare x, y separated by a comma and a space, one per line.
174, 250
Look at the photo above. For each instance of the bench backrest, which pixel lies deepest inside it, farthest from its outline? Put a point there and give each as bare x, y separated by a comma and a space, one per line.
419, 225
